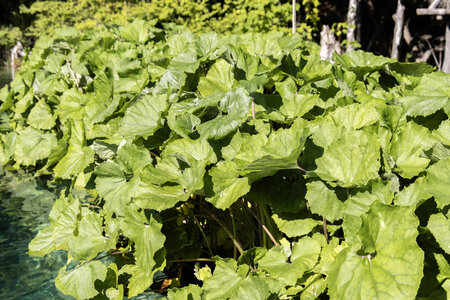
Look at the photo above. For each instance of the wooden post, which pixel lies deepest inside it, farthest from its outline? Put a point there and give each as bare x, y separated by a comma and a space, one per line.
399, 18
294, 17
446, 64
17, 53
328, 44
351, 22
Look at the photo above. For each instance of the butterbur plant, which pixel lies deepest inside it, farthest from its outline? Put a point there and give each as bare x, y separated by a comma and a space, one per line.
234, 167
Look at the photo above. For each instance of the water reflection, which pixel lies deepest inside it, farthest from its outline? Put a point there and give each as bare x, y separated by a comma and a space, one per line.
24, 207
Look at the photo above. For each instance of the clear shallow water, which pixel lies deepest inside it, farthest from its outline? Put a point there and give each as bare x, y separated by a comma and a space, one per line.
24, 207
25, 203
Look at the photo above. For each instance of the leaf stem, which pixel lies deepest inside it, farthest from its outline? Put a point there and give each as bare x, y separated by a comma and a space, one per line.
269, 234
227, 231
189, 260
325, 229
234, 232
204, 235
73, 75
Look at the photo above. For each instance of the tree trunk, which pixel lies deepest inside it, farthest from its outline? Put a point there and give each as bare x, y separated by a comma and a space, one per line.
399, 18
446, 64
294, 17
328, 43
352, 17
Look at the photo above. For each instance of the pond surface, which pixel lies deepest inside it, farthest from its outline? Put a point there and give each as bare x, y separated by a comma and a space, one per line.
24, 207
25, 203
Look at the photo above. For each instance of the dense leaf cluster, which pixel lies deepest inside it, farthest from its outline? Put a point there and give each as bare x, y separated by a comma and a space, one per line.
305, 177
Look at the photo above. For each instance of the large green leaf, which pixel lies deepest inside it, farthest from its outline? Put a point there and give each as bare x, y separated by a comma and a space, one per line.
136, 32
294, 104
178, 173
290, 268
186, 62
323, 201
429, 96
267, 155
387, 263
78, 155
438, 181
41, 116
89, 240
361, 62
351, 160
227, 186
407, 147
112, 184
79, 282
224, 112
343, 120
414, 194
296, 226
63, 222
232, 282
220, 78
234, 106
144, 117
32, 145
146, 234
191, 292
439, 226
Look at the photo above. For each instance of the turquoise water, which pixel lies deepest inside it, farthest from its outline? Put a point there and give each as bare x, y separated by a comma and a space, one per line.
25, 203
24, 207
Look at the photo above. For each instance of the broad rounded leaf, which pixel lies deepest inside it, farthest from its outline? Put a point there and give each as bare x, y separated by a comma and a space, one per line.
33, 145
79, 282
388, 264
439, 226
352, 160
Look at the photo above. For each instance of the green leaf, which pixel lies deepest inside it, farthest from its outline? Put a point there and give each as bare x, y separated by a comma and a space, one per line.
361, 62
267, 155
232, 282
234, 106
224, 281
227, 187
343, 120
185, 62
191, 292
414, 194
429, 96
90, 240
113, 185
295, 227
41, 116
144, 117
294, 104
79, 282
438, 181
136, 32
63, 222
32, 145
305, 254
442, 134
407, 147
220, 78
78, 155
439, 226
323, 201
351, 160
145, 232
388, 250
